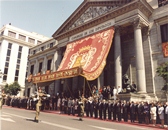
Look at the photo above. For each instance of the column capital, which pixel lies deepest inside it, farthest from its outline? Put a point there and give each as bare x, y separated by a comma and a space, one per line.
117, 29
137, 23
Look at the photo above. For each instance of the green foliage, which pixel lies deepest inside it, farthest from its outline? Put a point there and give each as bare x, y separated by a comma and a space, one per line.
162, 71
12, 89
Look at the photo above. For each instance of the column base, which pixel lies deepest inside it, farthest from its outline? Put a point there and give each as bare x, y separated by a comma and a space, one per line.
138, 97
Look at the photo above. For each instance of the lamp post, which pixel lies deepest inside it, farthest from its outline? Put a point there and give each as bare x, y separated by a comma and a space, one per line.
1, 78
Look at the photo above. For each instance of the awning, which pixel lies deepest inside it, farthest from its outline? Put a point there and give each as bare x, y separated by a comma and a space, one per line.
85, 57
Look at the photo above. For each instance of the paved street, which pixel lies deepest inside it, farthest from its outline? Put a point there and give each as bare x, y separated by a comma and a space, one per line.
20, 119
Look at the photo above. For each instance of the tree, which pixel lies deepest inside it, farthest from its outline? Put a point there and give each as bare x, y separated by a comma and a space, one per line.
12, 89
162, 71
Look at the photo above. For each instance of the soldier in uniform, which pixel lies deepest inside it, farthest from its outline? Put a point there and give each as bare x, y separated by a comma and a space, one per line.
2, 96
81, 106
81, 109
40, 95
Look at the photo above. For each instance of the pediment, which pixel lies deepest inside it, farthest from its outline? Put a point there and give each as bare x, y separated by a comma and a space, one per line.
92, 13
88, 11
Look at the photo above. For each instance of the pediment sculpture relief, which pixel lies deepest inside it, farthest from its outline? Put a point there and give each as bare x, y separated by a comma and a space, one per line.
92, 13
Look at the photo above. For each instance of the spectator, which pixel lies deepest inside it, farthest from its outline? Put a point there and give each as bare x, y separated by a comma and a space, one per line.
161, 114
115, 93
166, 112
146, 112
153, 114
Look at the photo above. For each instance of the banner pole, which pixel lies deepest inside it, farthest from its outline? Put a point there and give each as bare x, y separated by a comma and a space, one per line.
89, 88
84, 87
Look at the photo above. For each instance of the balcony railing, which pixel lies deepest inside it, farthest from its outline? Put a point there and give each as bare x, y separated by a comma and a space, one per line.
162, 2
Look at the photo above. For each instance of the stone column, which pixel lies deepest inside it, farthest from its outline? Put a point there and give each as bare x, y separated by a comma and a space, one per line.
29, 66
56, 64
100, 81
117, 58
139, 57
44, 68
36, 67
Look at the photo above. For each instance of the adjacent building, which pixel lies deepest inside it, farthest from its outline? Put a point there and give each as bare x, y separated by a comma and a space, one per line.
102, 41
14, 50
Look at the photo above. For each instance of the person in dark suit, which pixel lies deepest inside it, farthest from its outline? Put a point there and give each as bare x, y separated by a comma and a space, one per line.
100, 106
125, 111
114, 110
91, 107
95, 108
119, 110
104, 109
132, 112
109, 108
87, 108
140, 112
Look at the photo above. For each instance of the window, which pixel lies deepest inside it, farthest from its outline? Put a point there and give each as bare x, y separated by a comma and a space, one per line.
20, 48
7, 58
18, 61
16, 72
4, 77
42, 48
8, 52
32, 69
164, 32
9, 45
12, 34
16, 78
19, 55
21, 37
40, 66
6, 71
6, 64
2, 32
31, 40
17, 66
51, 45
34, 51
49, 64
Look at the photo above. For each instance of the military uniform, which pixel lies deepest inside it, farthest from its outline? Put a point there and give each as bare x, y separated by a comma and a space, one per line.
40, 96
81, 104
2, 99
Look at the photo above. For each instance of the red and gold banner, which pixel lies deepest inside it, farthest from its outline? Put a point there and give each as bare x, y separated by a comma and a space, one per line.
57, 75
88, 53
165, 49
85, 57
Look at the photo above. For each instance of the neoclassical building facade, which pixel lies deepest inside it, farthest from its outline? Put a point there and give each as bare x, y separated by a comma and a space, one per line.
139, 31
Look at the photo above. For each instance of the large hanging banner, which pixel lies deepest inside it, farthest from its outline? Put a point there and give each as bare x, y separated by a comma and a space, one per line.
85, 57
88, 53
165, 49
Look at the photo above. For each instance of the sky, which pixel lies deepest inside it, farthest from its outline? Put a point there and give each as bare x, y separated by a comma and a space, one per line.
41, 16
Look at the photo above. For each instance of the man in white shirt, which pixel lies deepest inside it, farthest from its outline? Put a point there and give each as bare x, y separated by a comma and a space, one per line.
115, 93
119, 90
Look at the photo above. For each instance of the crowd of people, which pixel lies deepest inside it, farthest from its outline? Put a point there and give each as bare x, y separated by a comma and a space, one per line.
100, 105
